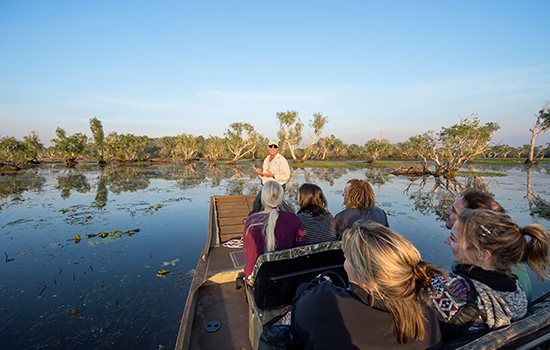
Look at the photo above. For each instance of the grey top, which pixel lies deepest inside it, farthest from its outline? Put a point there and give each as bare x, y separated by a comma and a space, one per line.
318, 229
349, 216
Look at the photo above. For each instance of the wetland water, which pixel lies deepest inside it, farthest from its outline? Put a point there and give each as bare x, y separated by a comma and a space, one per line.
83, 247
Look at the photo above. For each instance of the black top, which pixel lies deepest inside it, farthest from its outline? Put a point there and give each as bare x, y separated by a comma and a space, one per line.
330, 317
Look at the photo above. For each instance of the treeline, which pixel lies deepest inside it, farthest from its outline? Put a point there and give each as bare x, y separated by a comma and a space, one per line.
448, 149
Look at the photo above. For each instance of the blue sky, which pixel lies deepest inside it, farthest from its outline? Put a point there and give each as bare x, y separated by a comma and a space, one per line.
169, 67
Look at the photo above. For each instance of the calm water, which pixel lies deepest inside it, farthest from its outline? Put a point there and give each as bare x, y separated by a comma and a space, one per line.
82, 248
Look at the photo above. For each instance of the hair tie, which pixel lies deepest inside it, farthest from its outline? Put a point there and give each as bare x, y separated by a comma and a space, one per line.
420, 275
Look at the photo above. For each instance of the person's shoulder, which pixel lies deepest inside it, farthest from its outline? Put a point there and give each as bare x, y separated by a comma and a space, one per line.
288, 215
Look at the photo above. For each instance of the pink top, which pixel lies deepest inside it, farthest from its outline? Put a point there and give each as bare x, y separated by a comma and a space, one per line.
288, 234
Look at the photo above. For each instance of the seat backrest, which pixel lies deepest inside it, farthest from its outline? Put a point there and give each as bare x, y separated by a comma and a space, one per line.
276, 275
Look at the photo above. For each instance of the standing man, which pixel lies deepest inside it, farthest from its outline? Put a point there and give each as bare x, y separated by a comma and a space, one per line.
275, 168
476, 199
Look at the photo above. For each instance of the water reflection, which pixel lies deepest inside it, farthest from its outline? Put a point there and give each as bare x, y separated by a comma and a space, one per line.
100, 251
14, 184
72, 181
539, 207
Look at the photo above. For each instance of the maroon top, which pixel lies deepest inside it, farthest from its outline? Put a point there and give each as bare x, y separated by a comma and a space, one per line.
288, 234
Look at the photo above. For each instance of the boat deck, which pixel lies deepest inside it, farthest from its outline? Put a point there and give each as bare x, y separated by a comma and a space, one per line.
224, 303
214, 286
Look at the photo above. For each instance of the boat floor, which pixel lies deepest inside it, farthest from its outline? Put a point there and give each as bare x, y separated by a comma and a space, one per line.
221, 302
226, 304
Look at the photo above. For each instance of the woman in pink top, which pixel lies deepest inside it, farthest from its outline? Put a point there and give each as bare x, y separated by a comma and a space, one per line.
271, 229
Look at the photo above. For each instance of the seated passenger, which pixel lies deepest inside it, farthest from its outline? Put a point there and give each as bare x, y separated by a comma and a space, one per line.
271, 229
486, 244
317, 222
360, 205
384, 307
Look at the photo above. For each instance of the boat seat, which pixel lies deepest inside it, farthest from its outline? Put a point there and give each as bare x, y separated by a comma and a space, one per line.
531, 332
277, 275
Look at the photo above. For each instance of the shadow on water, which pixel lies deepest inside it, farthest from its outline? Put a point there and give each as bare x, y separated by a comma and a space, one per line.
84, 252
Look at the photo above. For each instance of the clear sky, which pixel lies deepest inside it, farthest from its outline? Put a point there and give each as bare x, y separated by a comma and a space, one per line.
160, 68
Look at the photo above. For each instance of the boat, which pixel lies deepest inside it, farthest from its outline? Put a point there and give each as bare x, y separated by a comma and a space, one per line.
217, 315
223, 311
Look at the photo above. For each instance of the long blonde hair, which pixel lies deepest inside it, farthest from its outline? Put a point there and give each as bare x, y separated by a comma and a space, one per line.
272, 196
390, 268
486, 230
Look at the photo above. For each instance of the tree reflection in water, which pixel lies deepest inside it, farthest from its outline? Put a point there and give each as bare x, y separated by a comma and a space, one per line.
116, 262
14, 183
539, 207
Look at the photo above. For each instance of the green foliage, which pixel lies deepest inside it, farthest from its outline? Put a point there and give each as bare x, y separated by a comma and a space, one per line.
290, 131
241, 139
186, 147
127, 147
99, 137
69, 147
317, 124
452, 147
214, 148
377, 148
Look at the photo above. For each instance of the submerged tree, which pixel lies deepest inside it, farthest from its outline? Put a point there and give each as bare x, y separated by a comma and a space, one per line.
214, 148
542, 124
15, 153
290, 131
69, 147
186, 147
449, 149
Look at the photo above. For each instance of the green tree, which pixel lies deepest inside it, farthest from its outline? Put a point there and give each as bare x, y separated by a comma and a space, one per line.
69, 147
542, 123
186, 147
290, 131
317, 125
377, 148
451, 148
99, 138
127, 147
32, 146
12, 152
241, 139
214, 148
165, 145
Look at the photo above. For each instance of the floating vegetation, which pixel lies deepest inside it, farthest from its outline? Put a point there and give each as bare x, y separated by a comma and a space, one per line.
168, 263
478, 173
111, 236
162, 273
76, 239
20, 221
75, 312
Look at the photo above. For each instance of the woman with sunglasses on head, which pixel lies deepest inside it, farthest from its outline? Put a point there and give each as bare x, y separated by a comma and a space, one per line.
486, 244
275, 168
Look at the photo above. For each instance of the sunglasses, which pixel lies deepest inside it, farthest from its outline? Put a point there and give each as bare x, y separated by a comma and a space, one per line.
273, 146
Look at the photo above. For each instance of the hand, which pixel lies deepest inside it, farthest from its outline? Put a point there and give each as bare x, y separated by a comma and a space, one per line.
325, 277
269, 174
257, 171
